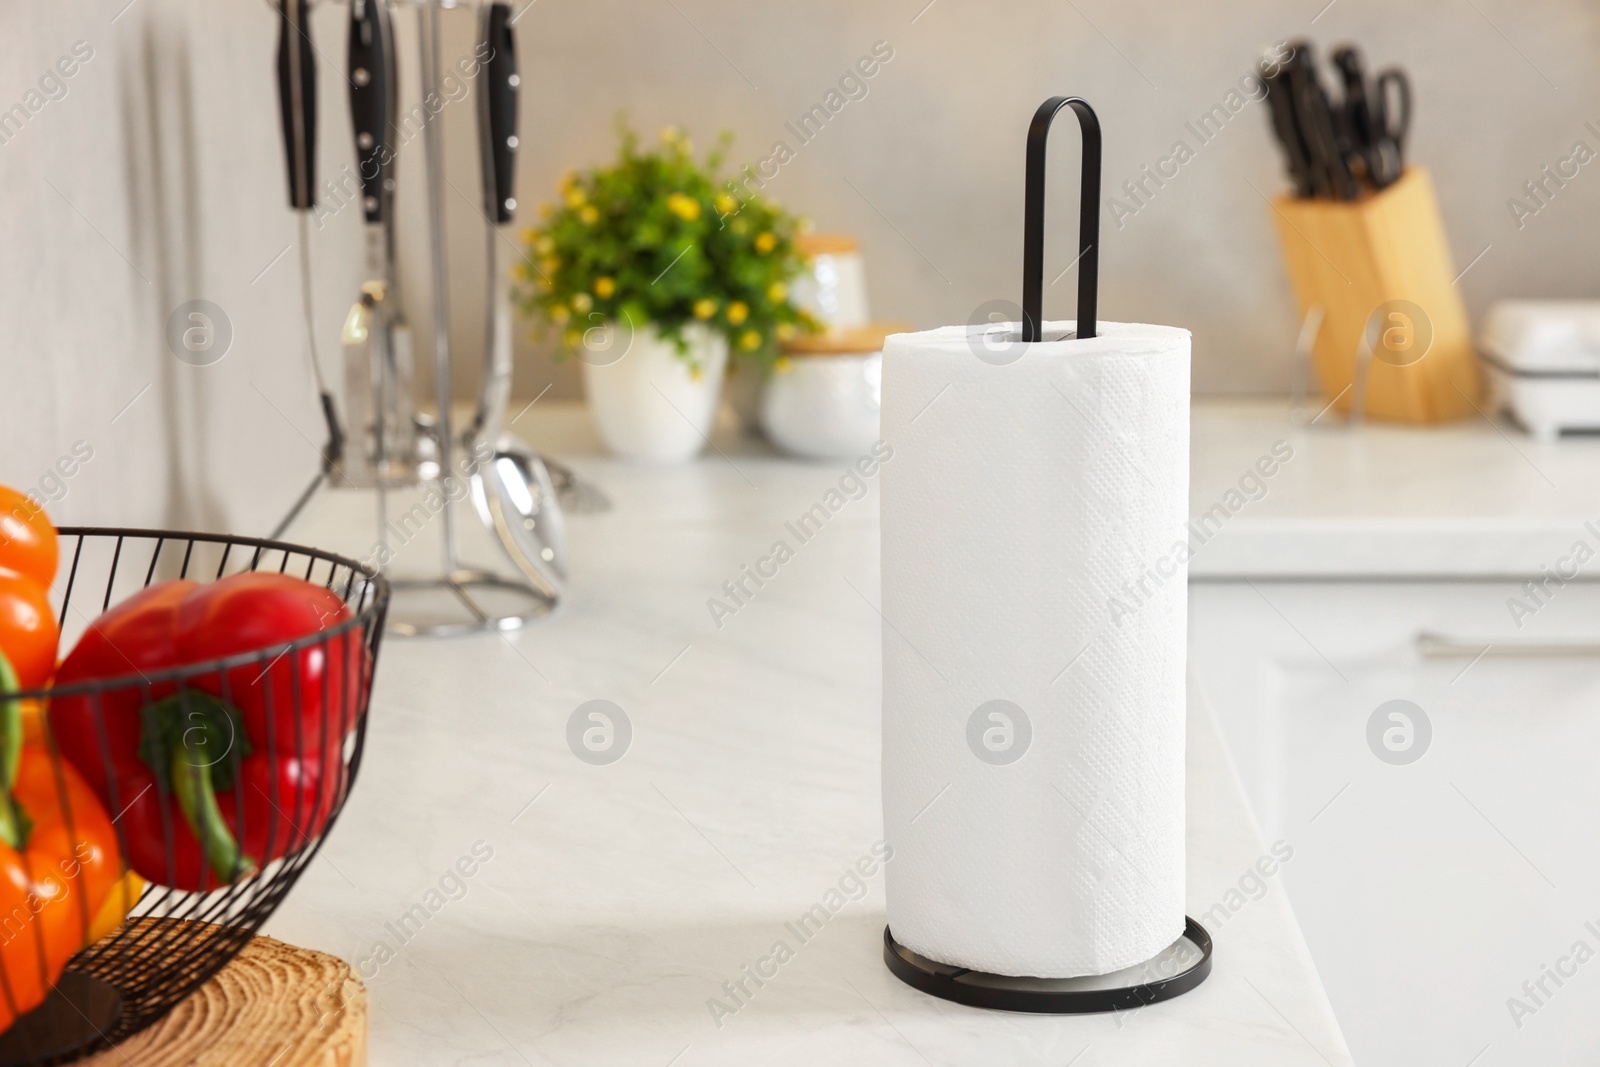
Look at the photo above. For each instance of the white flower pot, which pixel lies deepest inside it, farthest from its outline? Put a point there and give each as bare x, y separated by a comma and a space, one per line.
743, 391
649, 403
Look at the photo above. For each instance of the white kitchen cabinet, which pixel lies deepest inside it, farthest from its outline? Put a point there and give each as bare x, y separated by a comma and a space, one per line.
1430, 891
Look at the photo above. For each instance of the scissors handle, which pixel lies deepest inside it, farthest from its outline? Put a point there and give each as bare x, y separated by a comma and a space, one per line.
1391, 120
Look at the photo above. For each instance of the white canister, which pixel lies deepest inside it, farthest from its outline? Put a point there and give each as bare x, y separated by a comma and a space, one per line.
824, 396
833, 285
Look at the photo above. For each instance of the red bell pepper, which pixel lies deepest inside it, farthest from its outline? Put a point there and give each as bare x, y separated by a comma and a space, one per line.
230, 769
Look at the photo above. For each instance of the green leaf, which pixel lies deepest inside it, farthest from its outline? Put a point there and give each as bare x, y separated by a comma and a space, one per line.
649, 223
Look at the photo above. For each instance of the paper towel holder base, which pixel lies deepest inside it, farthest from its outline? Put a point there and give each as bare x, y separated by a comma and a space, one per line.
1059, 996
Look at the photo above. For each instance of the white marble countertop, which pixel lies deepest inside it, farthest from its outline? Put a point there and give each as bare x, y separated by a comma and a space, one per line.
618, 899
1470, 499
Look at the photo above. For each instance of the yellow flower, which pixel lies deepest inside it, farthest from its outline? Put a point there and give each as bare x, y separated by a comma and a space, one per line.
782, 364
750, 340
559, 315
704, 308
545, 245
529, 235
589, 214
686, 208
573, 338
669, 134
738, 312
550, 264
726, 204
546, 209
784, 331
604, 287
776, 292
575, 197
766, 242
581, 303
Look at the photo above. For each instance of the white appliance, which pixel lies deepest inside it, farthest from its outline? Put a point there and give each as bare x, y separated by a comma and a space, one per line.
1543, 359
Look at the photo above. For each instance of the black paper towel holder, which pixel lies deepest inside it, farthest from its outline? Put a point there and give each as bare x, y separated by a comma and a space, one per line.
1190, 955
1088, 219
1090, 993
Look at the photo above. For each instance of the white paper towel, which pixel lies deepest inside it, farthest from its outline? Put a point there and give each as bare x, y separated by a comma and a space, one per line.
1034, 552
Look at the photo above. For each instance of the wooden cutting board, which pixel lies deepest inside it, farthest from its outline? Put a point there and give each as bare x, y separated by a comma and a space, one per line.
275, 1005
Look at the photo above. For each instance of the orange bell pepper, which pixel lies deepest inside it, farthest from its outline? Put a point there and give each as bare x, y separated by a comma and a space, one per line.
28, 556
28, 543
58, 862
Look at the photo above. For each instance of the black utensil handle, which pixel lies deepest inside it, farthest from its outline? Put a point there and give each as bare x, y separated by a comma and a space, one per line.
372, 94
1358, 109
1281, 115
1333, 145
1396, 122
1299, 70
297, 100
1322, 138
1088, 218
497, 118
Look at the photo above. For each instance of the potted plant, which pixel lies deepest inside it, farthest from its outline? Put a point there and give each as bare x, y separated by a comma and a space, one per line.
652, 272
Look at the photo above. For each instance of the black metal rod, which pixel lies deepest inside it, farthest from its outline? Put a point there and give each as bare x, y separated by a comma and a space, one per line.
299, 505
1088, 260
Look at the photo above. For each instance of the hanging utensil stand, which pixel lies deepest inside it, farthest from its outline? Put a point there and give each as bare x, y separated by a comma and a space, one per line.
512, 600
393, 446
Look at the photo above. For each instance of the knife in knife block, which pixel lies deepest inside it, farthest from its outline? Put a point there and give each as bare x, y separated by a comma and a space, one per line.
1380, 269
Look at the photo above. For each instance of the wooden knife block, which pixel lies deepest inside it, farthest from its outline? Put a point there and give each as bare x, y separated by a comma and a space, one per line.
1351, 257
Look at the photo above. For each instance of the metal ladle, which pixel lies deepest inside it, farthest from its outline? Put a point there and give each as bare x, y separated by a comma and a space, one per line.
511, 488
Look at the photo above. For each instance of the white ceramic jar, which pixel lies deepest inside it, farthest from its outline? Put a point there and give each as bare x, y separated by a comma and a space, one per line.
833, 285
649, 403
823, 398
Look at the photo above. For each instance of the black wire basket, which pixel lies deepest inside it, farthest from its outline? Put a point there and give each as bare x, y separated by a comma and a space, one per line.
267, 744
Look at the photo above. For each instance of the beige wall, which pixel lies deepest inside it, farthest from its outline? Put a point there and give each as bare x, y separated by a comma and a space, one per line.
927, 169
159, 178
154, 180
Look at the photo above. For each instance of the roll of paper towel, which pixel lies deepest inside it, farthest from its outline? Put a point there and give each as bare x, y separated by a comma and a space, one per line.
1034, 595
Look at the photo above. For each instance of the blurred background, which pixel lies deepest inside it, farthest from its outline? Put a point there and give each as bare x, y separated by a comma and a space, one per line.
157, 177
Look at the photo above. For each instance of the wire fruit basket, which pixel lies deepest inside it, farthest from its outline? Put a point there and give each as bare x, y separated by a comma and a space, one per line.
277, 762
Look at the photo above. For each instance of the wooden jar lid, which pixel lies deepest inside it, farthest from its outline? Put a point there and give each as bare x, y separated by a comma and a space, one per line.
826, 244
855, 341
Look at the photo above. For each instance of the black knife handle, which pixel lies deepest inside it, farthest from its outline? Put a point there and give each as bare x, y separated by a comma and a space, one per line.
372, 96
297, 100
497, 115
1281, 113
1299, 73
1357, 107
1330, 144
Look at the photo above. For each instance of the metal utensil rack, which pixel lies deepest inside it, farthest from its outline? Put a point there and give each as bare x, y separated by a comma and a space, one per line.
1301, 373
532, 590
